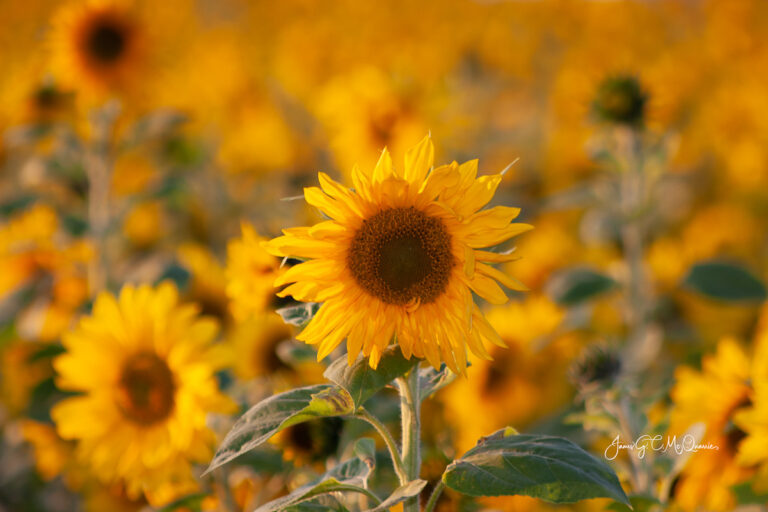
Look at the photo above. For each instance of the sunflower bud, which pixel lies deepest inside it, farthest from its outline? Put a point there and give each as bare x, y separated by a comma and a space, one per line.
621, 100
597, 369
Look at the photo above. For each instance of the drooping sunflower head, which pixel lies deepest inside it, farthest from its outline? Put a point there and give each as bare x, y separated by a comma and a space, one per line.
400, 257
145, 375
99, 44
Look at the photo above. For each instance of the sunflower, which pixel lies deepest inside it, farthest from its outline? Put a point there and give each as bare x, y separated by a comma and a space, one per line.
255, 345
524, 382
753, 420
250, 273
99, 45
712, 396
400, 256
143, 367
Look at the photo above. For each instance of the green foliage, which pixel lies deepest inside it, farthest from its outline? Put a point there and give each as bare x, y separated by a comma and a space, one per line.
746, 494
432, 380
279, 412
349, 476
300, 314
401, 494
725, 281
361, 381
639, 503
580, 285
550, 468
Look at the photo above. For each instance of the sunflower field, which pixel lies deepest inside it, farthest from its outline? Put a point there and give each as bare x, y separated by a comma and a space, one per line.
412, 256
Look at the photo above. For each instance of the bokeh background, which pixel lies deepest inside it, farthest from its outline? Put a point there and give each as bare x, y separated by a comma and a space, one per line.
158, 141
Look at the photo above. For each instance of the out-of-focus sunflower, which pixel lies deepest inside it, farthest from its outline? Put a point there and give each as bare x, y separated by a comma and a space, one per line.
251, 272
20, 373
254, 344
365, 111
207, 284
753, 420
144, 224
100, 46
711, 396
52, 454
143, 365
26, 246
310, 442
522, 383
401, 256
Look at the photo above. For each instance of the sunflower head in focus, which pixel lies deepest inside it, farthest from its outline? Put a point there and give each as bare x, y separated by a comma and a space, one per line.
99, 44
400, 256
146, 377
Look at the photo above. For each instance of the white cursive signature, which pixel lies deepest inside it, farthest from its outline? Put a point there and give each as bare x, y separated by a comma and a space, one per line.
656, 443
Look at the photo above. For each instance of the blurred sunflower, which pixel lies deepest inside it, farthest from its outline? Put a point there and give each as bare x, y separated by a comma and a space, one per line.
207, 280
753, 420
26, 246
143, 366
400, 256
711, 396
250, 273
364, 111
100, 45
254, 344
522, 383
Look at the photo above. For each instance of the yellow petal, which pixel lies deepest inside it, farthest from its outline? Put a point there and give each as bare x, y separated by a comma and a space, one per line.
384, 168
419, 160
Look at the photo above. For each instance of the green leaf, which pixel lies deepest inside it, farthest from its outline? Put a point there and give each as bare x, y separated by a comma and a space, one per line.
432, 380
365, 450
579, 285
639, 503
746, 494
324, 503
401, 494
362, 381
299, 315
176, 273
725, 281
550, 468
279, 412
349, 476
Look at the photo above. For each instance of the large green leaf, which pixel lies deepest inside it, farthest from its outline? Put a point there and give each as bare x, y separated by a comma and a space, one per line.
401, 494
551, 468
579, 285
278, 412
362, 381
349, 476
725, 281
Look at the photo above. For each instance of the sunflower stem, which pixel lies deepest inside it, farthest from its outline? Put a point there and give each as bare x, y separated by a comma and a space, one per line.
411, 423
436, 492
98, 167
397, 460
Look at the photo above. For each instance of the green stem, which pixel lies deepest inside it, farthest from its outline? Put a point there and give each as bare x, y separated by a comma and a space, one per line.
397, 461
436, 492
411, 423
98, 167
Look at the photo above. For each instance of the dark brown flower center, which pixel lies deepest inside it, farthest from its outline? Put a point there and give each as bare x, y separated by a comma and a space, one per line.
146, 389
106, 42
401, 254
